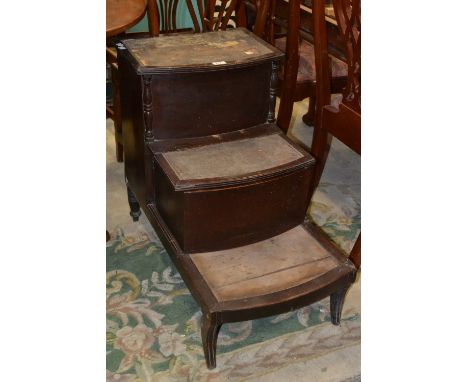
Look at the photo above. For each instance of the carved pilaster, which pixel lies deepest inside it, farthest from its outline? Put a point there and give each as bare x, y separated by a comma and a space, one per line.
148, 109
273, 90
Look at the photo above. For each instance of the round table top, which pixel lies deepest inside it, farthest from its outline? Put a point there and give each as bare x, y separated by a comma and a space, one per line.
123, 14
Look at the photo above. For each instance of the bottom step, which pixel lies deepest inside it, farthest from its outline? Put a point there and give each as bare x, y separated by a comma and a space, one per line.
285, 272
288, 266
293, 258
279, 263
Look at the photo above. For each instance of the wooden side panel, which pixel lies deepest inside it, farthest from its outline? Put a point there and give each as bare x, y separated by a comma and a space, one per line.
169, 204
133, 128
226, 217
229, 217
197, 104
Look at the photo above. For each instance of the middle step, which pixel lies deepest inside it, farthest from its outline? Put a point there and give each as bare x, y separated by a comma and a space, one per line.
229, 190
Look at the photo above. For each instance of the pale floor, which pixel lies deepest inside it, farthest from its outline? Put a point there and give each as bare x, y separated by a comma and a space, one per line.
342, 365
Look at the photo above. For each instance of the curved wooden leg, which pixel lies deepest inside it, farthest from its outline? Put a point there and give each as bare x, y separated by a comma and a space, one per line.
209, 333
336, 305
135, 211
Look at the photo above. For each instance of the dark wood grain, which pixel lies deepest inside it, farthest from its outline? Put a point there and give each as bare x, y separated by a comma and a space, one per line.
355, 255
336, 305
135, 211
210, 326
207, 214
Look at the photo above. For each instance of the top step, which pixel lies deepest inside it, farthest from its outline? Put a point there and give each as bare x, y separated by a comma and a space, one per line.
184, 52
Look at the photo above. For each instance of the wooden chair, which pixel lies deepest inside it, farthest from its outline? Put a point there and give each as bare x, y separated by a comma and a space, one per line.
343, 121
162, 19
222, 14
298, 78
215, 15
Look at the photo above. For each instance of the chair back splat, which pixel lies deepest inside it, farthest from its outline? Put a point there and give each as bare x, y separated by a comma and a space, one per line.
162, 16
215, 15
221, 14
348, 14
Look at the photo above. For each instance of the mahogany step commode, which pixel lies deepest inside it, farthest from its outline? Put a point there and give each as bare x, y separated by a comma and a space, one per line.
222, 185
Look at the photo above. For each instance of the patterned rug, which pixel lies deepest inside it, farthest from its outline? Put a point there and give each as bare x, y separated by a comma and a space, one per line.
153, 322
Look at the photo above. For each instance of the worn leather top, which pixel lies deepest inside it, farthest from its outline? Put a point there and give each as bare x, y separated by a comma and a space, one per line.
232, 159
233, 46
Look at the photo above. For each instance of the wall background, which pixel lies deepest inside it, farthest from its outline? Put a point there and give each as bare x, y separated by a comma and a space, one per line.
183, 19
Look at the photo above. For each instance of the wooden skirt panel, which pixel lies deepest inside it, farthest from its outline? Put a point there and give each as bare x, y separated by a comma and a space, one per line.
223, 218
199, 104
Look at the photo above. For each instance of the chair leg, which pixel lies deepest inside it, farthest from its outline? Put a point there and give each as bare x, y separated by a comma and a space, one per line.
135, 211
336, 305
291, 67
209, 333
308, 118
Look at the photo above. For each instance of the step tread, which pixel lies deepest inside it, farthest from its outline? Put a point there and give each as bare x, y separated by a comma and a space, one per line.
276, 264
232, 159
175, 53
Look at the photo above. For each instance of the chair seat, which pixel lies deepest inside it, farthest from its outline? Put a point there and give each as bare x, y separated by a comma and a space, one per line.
285, 261
306, 71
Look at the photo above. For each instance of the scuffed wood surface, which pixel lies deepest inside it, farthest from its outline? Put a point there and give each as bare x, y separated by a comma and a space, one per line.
281, 262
